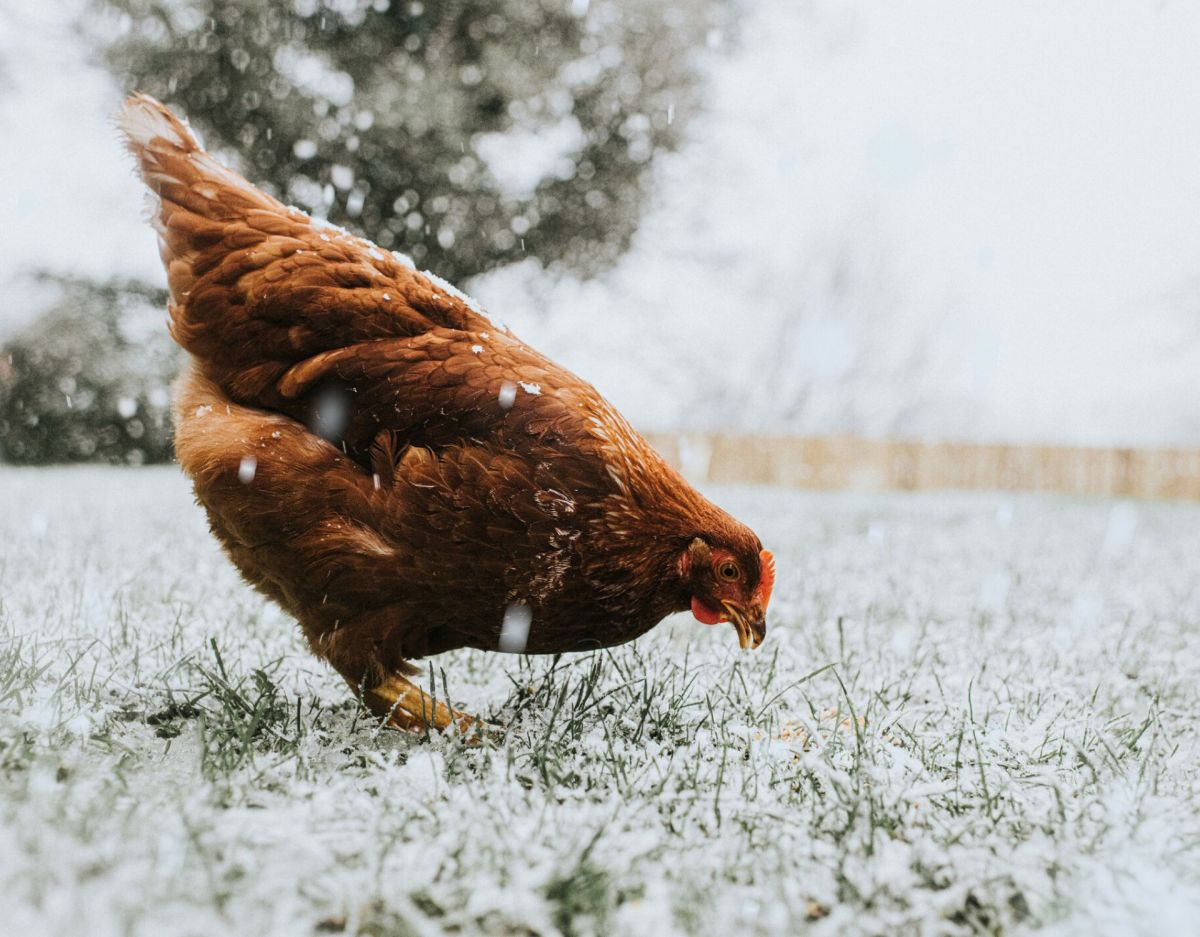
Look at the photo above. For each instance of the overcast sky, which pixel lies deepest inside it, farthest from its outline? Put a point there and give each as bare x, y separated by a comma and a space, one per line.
1027, 174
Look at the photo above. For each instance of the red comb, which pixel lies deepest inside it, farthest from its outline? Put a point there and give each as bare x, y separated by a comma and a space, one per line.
767, 581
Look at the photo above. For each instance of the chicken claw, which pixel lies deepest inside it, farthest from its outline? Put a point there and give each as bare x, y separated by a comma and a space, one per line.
405, 706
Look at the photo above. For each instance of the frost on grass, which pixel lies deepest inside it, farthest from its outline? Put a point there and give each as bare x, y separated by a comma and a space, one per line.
981, 721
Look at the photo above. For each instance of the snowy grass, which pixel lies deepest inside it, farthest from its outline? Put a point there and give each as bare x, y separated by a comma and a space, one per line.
972, 714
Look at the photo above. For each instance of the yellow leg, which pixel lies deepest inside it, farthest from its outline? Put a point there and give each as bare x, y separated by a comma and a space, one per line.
358, 653
406, 706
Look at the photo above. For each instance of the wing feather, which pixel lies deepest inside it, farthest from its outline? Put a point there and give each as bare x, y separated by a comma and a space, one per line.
256, 286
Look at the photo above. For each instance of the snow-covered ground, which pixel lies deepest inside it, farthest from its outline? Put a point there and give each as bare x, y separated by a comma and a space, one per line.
972, 714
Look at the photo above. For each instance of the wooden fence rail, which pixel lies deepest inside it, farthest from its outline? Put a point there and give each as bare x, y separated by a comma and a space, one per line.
848, 462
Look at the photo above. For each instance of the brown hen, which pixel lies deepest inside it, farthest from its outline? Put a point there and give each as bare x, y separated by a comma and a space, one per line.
398, 472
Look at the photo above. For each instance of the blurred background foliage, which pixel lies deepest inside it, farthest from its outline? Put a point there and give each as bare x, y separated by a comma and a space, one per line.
88, 380
466, 134
384, 116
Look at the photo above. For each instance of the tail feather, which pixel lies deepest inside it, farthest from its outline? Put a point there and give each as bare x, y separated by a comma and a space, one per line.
143, 120
257, 286
191, 192
175, 165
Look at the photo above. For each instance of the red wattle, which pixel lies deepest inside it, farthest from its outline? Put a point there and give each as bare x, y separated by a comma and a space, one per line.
704, 614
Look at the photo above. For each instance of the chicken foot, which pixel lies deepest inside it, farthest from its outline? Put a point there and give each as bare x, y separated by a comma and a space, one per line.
407, 707
381, 681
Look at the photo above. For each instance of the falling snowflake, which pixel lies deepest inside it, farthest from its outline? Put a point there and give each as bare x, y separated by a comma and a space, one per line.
508, 395
514, 632
332, 414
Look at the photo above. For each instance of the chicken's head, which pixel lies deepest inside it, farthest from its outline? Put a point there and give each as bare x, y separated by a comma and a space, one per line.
730, 582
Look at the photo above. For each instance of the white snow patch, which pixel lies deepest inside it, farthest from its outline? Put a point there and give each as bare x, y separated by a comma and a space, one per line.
1039, 781
453, 290
1122, 525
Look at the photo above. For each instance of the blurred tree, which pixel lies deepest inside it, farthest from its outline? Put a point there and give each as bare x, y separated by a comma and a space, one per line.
466, 134
88, 380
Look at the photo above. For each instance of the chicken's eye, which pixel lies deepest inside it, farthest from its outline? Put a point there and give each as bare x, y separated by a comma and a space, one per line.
728, 571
